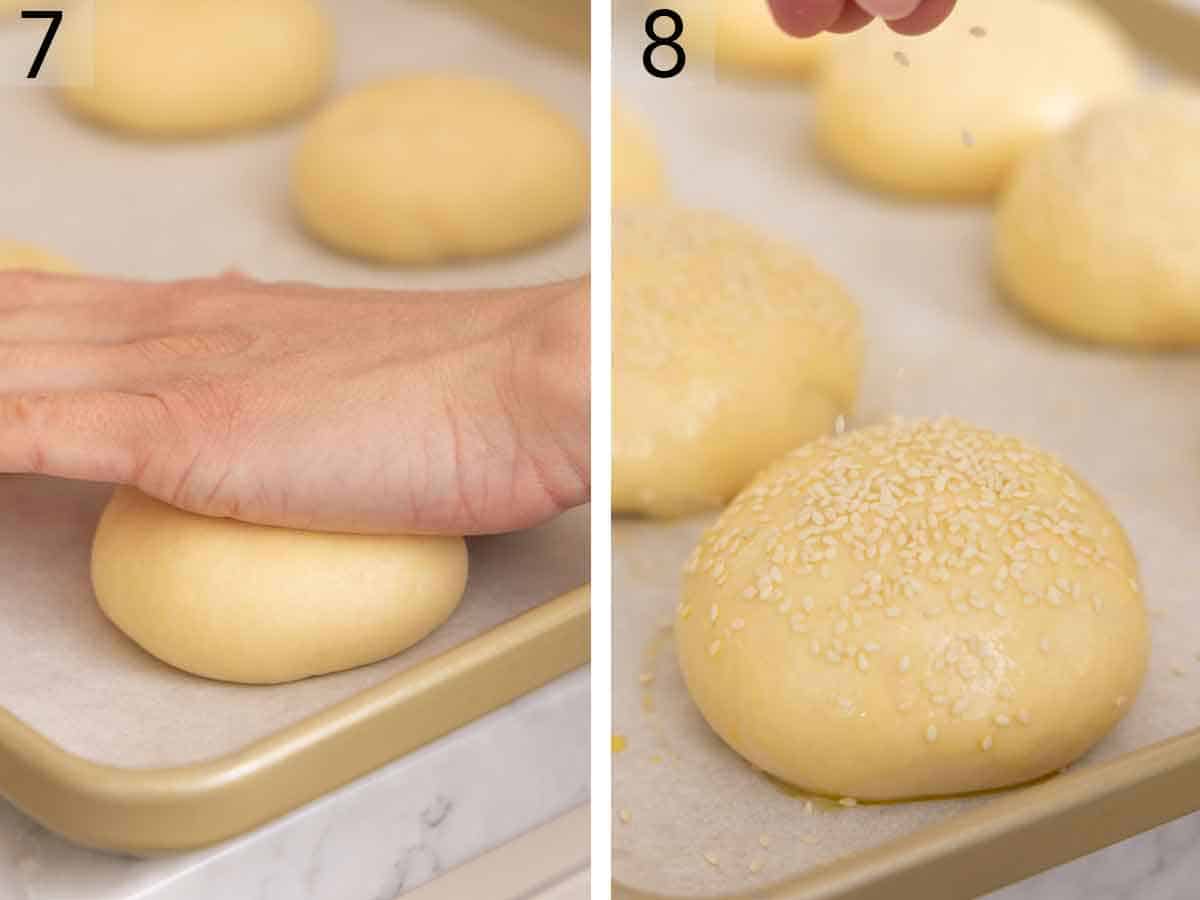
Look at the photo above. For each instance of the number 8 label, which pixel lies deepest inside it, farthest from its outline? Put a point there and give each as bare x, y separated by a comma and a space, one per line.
670, 40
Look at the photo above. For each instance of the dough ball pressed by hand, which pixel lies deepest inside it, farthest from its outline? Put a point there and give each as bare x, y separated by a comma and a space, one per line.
191, 69
911, 610
1098, 233
949, 113
260, 605
729, 350
638, 175
749, 42
18, 255
423, 169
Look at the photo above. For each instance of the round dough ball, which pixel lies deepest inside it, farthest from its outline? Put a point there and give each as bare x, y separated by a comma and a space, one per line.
912, 610
638, 174
18, 255
1098, 234
749, 42
729, 350
197, 67
949, 113
424, 169
260, 605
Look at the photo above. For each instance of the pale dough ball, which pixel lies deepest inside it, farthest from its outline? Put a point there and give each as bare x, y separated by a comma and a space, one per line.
638, 174
260, 605
188, 68
912, 610
423, 169
1098, 234
949, 113
750, 43
18, 255
729, 350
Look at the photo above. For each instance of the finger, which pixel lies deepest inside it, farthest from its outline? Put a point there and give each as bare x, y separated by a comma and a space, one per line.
890, 9
89, 436
40, 307
805, 18
46, 367
929, 15
25, 289
853, 17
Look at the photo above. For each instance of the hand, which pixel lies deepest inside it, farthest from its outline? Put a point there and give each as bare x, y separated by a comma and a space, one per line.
300, 406
805, 18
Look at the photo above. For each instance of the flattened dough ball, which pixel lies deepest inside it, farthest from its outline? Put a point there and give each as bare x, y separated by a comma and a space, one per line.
259, 605
1098, 234
911, 610
423, 169
949, 113
638, 175
729, 350
18, 255
190, 68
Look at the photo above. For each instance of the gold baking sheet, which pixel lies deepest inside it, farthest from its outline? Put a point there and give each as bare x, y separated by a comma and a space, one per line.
98, 740
113, 749
940, 340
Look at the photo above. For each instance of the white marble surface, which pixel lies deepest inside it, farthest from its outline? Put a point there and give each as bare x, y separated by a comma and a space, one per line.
1162, 864
391, 831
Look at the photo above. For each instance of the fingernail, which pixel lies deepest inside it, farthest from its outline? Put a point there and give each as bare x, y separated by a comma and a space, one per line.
890, 9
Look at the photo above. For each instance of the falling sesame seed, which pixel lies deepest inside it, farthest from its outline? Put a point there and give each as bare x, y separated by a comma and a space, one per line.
863, 663
809, 809
711, 858
905, 663
712, 614
626, 817
764, 841
646, 677
986, 743
931, 734
1178, 670
757, 864
715, 647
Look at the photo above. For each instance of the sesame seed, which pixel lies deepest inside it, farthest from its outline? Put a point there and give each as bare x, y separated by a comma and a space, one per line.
863, 662
905, 663
1023, 716
715, 647
1044, 645
892, 612
809, 809
764, 841
737, 624
626, 817
646, 677
986, 743
931, 734
757, 864
959, 707
1002, 720
847, 802
750, 593
711, 858
712, 614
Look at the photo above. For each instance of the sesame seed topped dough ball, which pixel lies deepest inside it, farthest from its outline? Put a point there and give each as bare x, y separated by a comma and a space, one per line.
947, 114
749, 42
1098, 234
728, 350
191, 68
17, 255
638, 175
428, 168
914, 609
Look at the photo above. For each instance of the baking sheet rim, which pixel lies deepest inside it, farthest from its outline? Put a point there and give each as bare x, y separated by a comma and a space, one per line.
1013, 837
149, 811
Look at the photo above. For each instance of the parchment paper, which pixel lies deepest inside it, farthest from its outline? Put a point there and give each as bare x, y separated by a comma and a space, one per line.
171, 210
939, 340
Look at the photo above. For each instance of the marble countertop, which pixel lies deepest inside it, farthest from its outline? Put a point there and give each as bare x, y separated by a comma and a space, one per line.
387, 833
